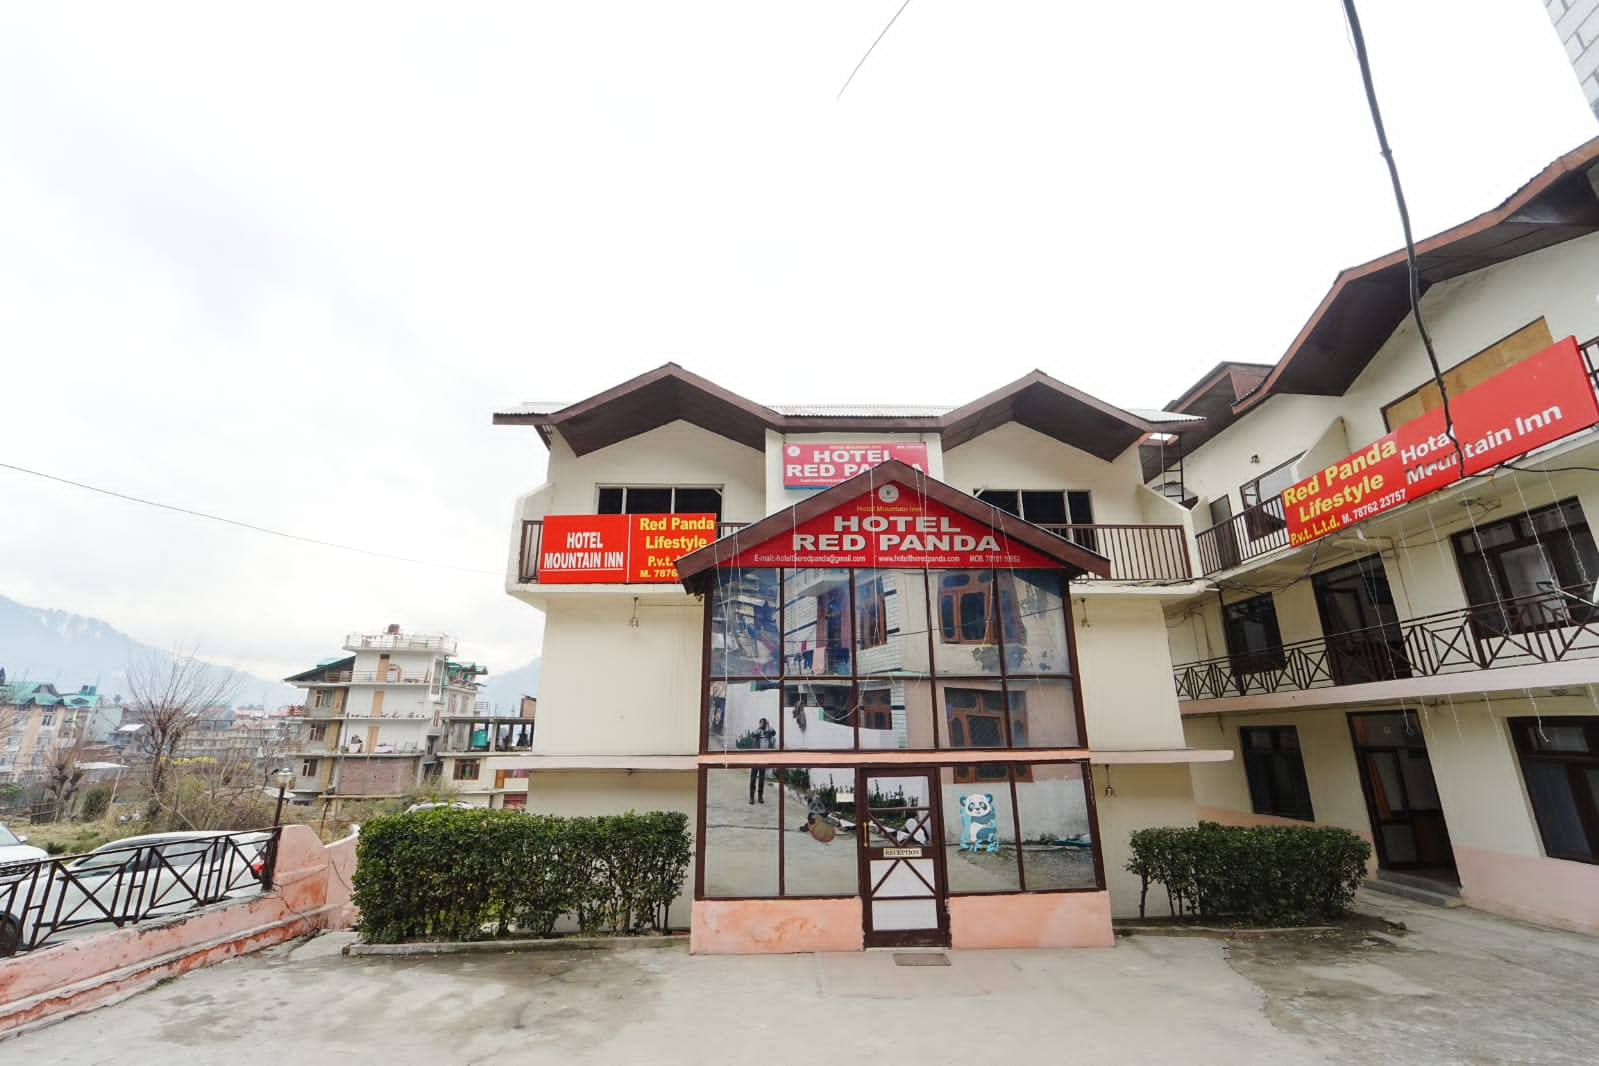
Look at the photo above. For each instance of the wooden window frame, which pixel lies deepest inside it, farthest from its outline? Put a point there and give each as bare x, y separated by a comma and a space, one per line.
1274, 754
467, 770
1525, 736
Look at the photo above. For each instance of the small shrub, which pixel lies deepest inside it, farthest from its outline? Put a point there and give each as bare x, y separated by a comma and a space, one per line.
1271, 875
96, 801
453, 874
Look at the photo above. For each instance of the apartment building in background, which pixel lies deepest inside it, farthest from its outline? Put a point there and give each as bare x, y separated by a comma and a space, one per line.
373, 718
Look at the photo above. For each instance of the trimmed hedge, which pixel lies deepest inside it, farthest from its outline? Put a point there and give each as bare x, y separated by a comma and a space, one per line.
454, 874
1266, 875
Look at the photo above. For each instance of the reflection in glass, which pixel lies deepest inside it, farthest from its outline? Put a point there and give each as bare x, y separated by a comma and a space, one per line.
972, 609
818, 625
819, 857
1043, 714
738, 708
1057, 848
741, 838
890, 622
744, 634
1040, 646
979, 835
819, 715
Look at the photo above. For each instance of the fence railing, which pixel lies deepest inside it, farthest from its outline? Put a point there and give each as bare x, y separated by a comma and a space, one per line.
125, 885
1136, 553
1256, 531
1544, 627
400, 642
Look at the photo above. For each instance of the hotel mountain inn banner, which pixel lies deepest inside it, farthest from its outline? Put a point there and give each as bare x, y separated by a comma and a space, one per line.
1538, 401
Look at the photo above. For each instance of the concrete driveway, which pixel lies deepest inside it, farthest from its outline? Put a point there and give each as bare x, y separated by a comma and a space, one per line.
1455, 987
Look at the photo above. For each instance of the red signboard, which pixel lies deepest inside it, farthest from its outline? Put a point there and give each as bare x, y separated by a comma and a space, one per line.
817, 466
619, 548
1538, 401
891, 526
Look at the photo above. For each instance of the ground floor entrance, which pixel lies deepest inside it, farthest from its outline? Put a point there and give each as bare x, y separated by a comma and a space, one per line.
1407, 818
901, 863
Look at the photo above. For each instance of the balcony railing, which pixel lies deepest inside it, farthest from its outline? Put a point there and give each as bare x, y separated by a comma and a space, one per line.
1544, 627
527, 562
1260, 529
1136, 553
400, 642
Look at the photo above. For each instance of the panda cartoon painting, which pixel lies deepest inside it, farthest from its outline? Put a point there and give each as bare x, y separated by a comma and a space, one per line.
978, 832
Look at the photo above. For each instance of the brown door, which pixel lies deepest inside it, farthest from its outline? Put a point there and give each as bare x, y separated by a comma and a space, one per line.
901, 860
1361, 627
1407, 818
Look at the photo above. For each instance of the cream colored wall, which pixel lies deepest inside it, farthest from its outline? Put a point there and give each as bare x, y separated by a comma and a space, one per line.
1015, 457
609, 687
777, 497
579, 793
1325, 745
1128, 698
1142, 796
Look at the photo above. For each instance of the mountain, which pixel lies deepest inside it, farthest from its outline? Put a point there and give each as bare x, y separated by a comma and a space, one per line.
504, 692
69, 650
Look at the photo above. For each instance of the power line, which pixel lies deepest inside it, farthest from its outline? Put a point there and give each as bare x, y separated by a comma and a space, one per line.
880, 36
243, 525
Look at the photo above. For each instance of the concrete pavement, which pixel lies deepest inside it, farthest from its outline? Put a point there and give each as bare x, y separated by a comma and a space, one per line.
1457, 987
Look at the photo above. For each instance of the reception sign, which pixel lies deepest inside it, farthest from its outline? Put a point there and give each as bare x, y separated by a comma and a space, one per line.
819, 466
891, 526
1541, 399
619, 548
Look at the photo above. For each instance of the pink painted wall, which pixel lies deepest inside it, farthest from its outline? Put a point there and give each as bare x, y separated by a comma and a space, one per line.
1530, 887
775, 926
1031, 920
311, 891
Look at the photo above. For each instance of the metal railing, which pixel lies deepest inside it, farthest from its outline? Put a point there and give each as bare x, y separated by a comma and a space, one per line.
1136, 553
400, 642
1256, 531
1543, 627
527, 559
121, 886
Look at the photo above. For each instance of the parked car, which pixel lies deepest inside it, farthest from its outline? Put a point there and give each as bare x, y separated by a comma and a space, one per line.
16, 854
129, 880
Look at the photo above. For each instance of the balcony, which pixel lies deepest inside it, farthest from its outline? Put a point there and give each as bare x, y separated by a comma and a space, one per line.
1136, 553
1256, 531
1545, 627
438, 642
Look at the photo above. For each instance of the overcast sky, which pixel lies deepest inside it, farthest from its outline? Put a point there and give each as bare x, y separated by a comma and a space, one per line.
281, 263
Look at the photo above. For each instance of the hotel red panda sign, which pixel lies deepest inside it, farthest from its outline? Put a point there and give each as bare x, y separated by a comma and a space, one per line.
892, 526
619, 548
1541, 399
818, 466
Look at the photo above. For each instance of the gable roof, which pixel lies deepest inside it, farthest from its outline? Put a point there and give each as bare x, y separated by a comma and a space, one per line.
696, 570
1368, 302
669, 393
321, 670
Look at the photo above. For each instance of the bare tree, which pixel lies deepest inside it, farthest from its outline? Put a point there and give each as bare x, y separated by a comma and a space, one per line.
167, 694
62, 772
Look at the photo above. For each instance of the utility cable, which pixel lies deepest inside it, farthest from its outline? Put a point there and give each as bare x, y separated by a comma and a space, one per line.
873, 45
241, 525
1404, 221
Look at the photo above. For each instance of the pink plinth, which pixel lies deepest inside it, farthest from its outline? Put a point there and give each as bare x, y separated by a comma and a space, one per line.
1031, 920
1530, 887
775, 926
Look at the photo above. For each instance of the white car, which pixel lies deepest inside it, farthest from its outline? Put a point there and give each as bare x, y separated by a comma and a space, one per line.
16, 854
129, 880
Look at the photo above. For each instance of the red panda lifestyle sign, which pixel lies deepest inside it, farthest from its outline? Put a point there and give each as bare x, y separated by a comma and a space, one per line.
1541, 399
891, 526
619, 548
818, 466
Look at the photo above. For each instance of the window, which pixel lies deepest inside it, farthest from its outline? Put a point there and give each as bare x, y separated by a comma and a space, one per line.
978, 718
308, 767
877, 709
1263, 499
1560, 765
1275, 771
468, 769
1254, 642
46, 720
318, 732
871, 613
1533, 571
1502, 355
656, 499
966, 609
1047, 508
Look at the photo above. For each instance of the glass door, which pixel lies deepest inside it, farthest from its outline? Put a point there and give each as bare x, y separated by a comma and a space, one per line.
901, 862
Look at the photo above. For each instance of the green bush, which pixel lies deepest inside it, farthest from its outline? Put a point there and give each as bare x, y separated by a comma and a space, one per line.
1270, 875
453, 874
96, 801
